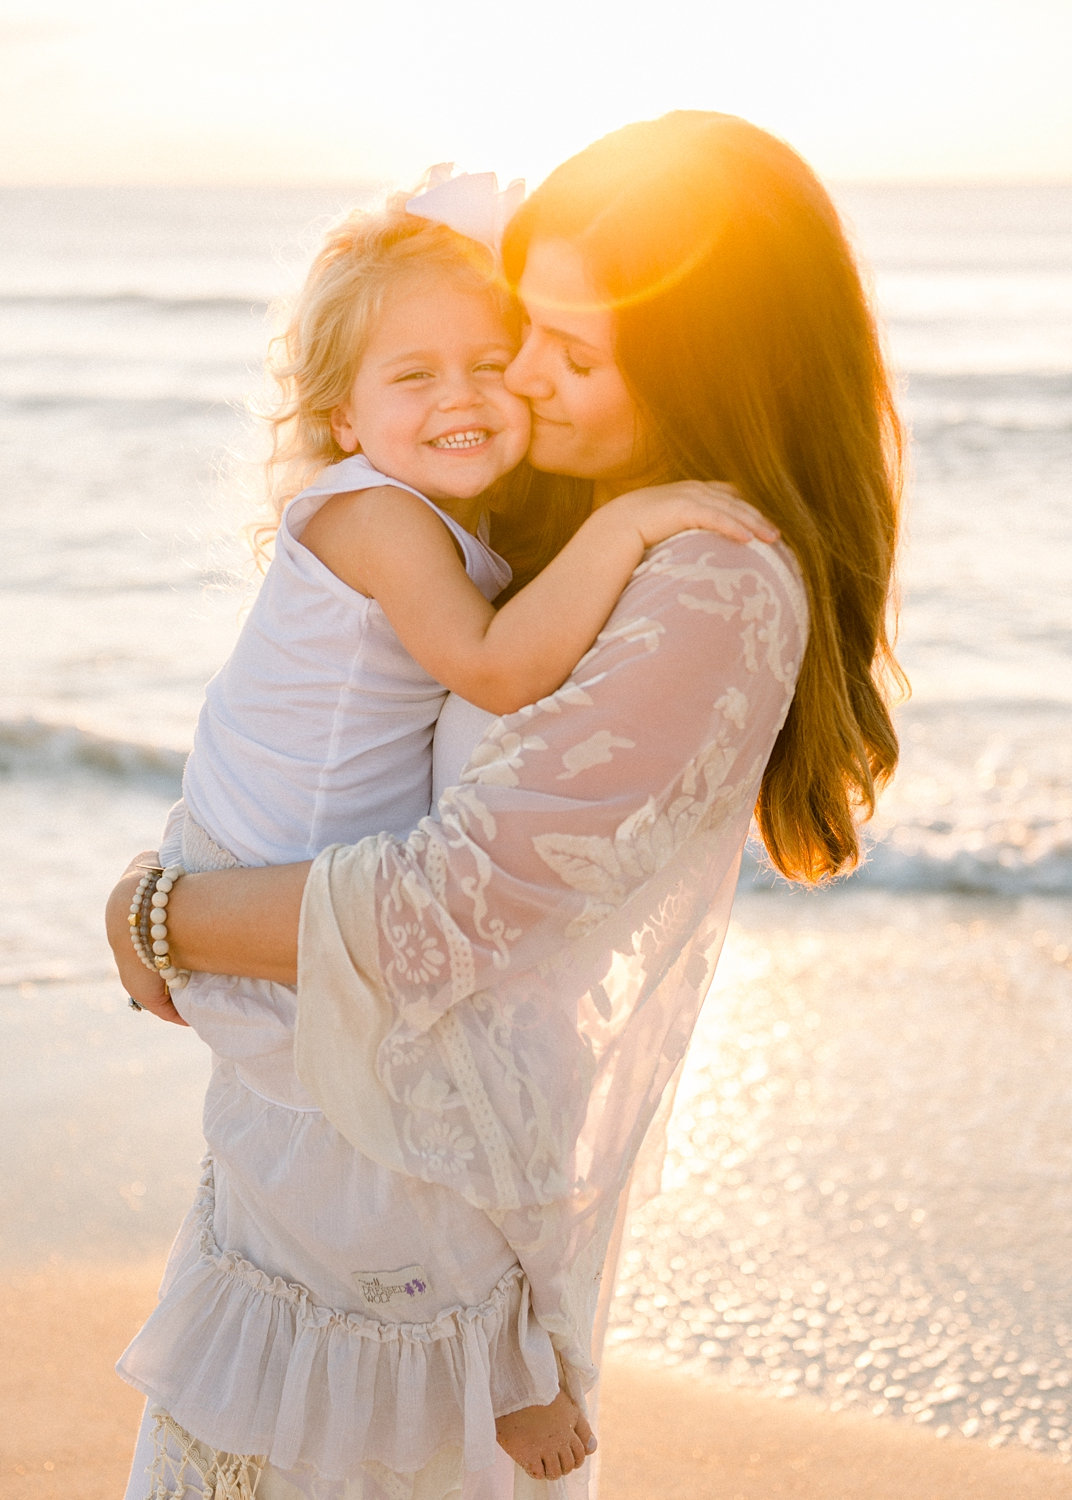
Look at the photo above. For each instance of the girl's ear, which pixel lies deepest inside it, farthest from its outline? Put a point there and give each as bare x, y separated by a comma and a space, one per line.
342, 429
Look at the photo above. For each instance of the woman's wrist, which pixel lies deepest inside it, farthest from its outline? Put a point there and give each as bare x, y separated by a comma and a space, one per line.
219, 922
239, 921
147, 989
117, 907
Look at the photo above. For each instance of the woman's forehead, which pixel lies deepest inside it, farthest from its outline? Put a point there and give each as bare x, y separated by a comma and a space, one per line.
558, 293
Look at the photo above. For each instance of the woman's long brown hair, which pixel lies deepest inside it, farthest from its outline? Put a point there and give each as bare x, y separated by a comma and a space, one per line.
746, 335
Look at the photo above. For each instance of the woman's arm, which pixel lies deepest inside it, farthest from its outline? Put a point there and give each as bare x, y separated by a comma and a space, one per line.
223, 922
692, 678
573, 803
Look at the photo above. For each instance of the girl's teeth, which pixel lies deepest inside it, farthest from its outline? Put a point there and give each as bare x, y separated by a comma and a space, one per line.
461, 439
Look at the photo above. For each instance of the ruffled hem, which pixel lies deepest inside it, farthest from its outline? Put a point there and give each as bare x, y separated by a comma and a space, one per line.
251, 1364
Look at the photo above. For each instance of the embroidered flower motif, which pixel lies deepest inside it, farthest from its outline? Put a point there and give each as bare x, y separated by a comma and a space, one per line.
445, 1148
462, 807
404, 1051
433, 1095
597, 750
607, 870
733, 705
499, 758
420, 958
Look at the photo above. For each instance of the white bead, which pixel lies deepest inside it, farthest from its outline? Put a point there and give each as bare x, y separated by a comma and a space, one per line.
180, 981
164, 884
158, 930
160, 895
160, 946
173, 872
158, 914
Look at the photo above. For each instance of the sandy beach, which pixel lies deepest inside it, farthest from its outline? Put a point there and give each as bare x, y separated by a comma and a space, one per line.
854, 1284
66, 1420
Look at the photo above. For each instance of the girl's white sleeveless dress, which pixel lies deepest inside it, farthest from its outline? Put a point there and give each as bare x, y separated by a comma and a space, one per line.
355, 1329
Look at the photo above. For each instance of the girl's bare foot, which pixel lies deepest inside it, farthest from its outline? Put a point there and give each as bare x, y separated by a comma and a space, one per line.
547, 1441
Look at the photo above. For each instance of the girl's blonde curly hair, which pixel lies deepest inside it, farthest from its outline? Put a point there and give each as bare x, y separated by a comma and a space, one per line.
312, 364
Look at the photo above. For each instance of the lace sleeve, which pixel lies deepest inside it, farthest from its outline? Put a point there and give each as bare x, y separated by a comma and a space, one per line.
569, 809
498, 1002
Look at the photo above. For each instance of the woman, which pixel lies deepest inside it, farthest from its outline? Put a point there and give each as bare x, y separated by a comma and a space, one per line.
498, 1003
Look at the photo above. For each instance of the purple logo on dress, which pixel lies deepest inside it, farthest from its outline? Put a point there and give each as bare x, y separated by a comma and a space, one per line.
380, 1287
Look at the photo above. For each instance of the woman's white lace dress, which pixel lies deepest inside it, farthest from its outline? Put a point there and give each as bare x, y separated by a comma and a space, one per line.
497, 1004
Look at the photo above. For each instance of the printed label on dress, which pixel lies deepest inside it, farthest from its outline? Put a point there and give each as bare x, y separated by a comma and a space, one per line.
377, 1287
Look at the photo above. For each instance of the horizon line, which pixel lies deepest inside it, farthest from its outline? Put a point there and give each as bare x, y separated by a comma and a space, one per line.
333, 184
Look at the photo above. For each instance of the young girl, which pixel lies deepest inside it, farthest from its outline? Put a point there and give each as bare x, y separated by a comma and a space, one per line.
328, 1327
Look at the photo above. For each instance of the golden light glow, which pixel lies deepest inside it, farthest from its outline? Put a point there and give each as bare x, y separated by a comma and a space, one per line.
260, 92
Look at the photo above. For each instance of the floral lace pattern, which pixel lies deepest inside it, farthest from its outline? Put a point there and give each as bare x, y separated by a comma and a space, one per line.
515, 985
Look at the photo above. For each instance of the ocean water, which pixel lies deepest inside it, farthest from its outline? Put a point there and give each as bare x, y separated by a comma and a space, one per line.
923, 1002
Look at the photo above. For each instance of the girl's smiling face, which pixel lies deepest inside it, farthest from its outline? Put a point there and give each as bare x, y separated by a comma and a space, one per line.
428, 404
585, 421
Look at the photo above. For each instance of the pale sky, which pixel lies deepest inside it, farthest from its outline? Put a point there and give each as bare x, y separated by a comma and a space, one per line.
113, 91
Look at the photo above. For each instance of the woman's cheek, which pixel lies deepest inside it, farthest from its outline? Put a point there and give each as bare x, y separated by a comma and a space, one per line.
550, 450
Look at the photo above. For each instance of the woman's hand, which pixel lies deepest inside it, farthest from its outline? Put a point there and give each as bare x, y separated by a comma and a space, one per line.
148, 989
660, 511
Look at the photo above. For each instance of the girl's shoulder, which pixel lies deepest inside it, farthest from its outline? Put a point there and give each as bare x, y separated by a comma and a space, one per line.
355, 533
349, 476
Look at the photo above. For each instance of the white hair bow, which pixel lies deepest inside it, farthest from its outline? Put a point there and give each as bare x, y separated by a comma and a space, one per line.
471, 203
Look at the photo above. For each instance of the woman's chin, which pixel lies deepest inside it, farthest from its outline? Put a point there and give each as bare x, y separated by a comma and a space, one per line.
552, 456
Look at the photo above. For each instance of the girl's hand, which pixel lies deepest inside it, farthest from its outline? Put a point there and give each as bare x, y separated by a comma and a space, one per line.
149, 990
662, 510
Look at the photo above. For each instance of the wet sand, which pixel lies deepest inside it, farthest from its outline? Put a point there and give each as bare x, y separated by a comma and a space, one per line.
67, 1421
869, 1182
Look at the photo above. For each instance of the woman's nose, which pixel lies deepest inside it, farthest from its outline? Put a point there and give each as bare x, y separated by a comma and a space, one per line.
526, 374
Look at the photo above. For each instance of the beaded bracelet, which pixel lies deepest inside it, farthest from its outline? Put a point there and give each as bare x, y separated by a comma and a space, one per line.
139, 915
148, 924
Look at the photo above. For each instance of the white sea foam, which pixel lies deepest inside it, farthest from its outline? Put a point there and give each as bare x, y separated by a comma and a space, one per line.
32, 748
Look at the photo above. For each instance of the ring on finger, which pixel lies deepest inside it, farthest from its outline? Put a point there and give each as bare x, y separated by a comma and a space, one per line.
134, 1004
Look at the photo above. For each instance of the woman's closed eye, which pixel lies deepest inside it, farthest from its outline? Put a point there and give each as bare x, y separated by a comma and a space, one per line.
573, 366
